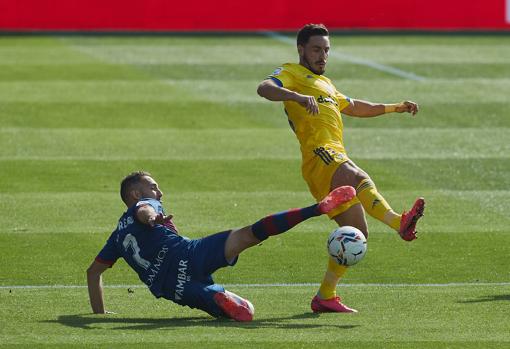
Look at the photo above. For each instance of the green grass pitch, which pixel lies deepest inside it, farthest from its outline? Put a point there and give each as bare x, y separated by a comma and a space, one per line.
79, 113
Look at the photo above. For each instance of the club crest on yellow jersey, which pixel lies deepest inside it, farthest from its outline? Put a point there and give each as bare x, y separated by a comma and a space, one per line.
277, 71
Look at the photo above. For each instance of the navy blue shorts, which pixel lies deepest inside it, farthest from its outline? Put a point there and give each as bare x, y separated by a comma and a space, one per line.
208, 255
195, 286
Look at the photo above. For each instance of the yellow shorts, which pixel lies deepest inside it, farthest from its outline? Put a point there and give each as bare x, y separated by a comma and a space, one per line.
318, 172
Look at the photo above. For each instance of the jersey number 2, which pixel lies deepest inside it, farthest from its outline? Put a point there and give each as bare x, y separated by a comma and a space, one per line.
130, 241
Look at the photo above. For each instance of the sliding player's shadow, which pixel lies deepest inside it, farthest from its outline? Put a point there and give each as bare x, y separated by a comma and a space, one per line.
96, 321
491, 298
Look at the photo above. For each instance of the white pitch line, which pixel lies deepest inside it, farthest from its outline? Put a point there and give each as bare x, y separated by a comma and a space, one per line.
450, 284
356, 60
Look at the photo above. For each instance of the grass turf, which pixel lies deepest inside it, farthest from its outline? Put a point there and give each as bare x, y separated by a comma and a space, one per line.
78, 113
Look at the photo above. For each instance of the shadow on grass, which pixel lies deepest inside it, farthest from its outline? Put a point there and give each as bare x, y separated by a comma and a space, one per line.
491, 298
89, 321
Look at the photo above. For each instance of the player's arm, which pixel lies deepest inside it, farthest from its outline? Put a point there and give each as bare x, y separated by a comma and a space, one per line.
95, 286
271, 91
146, 214
365, 109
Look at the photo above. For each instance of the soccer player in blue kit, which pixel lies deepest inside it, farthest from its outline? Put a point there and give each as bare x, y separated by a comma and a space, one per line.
178, 268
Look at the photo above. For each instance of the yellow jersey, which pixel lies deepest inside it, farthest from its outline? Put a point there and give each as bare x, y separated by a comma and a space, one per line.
314, 132
321, 135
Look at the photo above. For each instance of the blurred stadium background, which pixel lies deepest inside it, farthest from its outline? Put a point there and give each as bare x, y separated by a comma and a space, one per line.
231, 15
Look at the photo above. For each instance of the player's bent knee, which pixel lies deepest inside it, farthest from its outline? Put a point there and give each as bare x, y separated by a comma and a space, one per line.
348, 174
360, 176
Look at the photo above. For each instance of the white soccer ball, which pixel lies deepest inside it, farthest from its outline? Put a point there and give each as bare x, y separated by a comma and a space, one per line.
347, 245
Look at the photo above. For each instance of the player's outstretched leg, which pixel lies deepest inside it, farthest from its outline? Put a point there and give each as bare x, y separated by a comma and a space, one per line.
281, 222
408, 221
241, 239
234, 307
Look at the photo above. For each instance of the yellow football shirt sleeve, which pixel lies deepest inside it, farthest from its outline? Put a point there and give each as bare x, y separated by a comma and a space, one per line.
342, 100
283, 78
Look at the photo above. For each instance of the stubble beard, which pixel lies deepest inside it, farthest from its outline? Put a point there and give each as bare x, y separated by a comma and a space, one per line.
309, 66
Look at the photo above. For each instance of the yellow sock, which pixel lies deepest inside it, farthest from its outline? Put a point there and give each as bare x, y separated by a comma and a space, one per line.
333, 274
375, 205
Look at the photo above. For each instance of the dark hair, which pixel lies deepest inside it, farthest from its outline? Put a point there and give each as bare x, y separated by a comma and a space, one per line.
309, 30
129, 181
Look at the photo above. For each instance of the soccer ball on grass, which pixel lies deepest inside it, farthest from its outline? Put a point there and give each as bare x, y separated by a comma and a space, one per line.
347, 245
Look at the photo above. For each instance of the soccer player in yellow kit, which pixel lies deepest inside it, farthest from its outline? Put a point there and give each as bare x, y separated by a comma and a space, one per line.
314, 106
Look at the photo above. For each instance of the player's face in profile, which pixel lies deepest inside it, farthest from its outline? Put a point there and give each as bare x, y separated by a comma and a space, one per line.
148, 188
314, 55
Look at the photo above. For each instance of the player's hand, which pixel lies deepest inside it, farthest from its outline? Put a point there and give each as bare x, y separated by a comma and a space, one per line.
407, 107
308, 102
160, 218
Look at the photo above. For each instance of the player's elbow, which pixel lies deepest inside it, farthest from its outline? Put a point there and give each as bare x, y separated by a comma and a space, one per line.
264, 89
93, 278
260, 90
94, 270
91, 272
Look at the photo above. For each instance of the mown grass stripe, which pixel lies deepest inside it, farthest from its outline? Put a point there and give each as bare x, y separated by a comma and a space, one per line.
238, 144
466, 91
174, 52
232, 115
